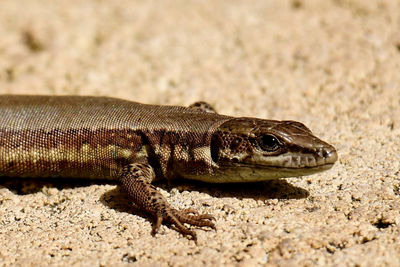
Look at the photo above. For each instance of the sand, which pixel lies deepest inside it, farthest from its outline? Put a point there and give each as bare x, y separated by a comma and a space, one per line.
333, 65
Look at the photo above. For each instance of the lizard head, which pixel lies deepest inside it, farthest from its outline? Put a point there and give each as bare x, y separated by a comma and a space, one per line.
248, 149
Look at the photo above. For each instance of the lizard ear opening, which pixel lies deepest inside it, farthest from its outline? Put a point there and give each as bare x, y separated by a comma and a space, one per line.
215, 145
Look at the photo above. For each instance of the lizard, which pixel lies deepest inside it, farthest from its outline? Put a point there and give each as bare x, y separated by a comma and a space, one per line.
137, 144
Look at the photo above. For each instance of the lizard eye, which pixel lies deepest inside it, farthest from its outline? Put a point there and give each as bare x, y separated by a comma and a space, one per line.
269, 143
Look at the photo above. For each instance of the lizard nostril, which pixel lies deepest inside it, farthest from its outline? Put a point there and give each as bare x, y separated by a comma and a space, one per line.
330, 154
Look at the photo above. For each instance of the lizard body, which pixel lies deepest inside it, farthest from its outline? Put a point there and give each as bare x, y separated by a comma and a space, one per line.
135, 144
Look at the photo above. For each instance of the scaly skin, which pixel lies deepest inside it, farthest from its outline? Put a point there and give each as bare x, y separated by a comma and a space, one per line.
108, 138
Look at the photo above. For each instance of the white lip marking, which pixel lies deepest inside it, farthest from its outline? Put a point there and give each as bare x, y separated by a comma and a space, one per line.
289, 160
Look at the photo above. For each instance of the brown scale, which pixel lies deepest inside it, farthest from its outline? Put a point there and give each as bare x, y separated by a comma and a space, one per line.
42, 142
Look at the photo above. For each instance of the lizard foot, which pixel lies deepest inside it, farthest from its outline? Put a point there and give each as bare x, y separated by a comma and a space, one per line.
202, 106
179, 218
136, 179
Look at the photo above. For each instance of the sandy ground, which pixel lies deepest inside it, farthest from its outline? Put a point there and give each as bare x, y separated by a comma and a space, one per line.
333, 65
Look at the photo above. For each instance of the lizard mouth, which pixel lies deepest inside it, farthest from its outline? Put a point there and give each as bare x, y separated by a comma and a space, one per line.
319, 161
321, 167
283, 171
255, 169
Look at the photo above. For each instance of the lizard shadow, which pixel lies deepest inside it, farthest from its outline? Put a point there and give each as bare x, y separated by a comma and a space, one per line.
275, 189
28, 186
118, 200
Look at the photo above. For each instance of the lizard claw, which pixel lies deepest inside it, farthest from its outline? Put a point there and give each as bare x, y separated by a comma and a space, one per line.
197, 215
179, 218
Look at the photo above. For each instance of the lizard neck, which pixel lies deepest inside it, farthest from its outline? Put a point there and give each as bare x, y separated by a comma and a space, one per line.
182, 153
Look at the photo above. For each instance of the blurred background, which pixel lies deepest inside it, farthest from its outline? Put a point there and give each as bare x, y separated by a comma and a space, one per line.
333, 65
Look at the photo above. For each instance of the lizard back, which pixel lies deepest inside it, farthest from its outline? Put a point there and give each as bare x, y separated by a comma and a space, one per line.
92, 137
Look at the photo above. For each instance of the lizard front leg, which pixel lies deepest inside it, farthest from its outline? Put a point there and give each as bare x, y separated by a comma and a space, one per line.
136, 180
203, 106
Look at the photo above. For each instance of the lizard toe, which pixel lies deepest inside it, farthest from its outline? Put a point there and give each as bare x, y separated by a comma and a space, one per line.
200, 220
